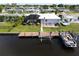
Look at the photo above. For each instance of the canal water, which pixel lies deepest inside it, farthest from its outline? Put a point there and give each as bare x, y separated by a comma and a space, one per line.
11, 45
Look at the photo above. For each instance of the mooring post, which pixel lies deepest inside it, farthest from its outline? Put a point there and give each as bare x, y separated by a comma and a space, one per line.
40, 36
50, 35
41, 39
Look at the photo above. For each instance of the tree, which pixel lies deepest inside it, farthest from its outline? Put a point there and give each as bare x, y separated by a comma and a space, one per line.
72, 7
45, 6
18, 21
60, 5
54, 6
31, 19
1, 7
66, 6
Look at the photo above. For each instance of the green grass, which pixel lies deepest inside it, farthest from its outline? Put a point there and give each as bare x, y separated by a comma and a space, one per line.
72, 13
72, 27
26, 28
33, 28
4, 30
6, 24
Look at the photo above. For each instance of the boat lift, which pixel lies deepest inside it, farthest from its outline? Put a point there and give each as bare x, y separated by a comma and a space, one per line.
43, 34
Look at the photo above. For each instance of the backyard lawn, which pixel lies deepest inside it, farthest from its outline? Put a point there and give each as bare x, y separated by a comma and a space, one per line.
6, 27
71, 27
6, 24
26, 28
72, 13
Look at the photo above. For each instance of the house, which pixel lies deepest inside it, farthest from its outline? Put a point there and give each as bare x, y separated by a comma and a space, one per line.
31, 9
48, 10
67, 19
9, 17
49, 20
19, 9
62, 9
8, 9
75, 19
76, 9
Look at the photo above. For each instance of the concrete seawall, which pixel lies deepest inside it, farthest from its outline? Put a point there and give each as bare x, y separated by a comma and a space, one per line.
7, 33
43, 34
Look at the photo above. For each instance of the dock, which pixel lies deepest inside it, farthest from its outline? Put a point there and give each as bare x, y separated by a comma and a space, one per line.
38, 34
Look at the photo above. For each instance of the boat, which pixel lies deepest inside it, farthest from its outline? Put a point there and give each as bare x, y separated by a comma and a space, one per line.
68, 39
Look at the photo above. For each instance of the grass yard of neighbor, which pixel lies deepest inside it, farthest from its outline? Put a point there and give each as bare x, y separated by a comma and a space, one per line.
72, 27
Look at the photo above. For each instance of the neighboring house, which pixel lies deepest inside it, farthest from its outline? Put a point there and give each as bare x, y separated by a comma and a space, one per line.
9, 17
48, 10
18, 10
75, 19
49, 20
26, 9
31, 9
76, 9
8, 9
62, 9
12, 9
67, 19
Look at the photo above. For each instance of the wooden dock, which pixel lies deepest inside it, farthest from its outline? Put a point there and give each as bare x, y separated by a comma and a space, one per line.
38, 34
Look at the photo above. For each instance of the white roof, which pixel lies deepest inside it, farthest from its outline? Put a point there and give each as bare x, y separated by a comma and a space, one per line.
48, 16
69, 16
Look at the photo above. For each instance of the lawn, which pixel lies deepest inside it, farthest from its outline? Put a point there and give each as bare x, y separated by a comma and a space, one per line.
72, 13
5, 26
26, 28
33, 28
72, 27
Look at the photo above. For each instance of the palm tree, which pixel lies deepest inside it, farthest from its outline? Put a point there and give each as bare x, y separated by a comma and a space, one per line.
31, 19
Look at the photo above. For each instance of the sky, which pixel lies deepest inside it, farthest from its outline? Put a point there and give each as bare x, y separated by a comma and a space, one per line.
40, 1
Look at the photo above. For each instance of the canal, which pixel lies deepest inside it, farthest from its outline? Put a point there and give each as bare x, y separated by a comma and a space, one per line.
11, 45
